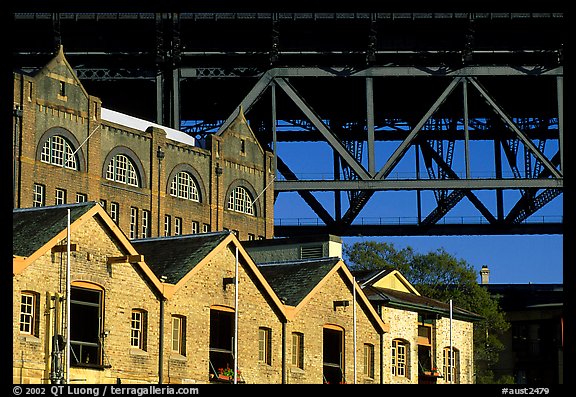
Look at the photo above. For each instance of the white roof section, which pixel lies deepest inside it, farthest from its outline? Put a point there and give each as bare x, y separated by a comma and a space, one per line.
142, 125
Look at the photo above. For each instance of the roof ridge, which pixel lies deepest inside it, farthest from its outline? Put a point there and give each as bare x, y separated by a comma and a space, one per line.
183, 236
298, 261
56, 206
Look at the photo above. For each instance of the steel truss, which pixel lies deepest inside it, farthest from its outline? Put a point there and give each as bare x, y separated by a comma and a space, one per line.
433, 139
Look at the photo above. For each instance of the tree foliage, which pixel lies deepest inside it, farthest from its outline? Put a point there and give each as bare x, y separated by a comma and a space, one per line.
441, 276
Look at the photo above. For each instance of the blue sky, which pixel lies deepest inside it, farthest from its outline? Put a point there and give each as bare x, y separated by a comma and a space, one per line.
511, 259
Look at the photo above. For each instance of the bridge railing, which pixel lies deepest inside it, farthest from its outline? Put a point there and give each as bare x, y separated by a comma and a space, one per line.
407, 220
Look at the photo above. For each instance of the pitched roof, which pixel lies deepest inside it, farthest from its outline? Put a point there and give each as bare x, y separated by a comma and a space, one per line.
292, 281
173, 257
409, 301
32, 228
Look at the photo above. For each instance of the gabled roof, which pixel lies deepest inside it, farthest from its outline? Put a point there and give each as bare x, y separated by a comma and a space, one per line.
56, 63
37, 230
409, 301
178, 258
389, 288
297, 281
33, 228
294, 280
175, 256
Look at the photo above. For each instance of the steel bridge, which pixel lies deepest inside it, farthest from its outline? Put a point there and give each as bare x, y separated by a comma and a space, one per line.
454, 107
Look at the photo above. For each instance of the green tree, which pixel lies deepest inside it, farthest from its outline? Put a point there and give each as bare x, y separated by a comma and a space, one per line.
441, 276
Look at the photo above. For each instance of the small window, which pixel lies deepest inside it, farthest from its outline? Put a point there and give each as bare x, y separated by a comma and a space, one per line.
369, 360
133, 222
451, 365
195, 226
39, 198
298, 350
243, 146
167, 225
145, 223
265, 345
114, 211
62, 91
179, 335
399, 359
138, 327
60, 196
177, 226
29, 309
81, 197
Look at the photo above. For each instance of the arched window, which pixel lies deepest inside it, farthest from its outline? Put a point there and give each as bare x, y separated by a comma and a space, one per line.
241, 201
184, 186
58, 151
399, 357
121, 169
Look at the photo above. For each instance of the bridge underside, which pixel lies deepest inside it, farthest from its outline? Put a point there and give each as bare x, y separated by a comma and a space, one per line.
458, 116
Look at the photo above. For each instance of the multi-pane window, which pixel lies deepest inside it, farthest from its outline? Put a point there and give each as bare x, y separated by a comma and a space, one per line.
60, 196
138, 329
57, 151
205, 228
29, 313
145, 223
39, 198
167, 224
195, 226
177, 226
81, 198
451, 365
369, 360
265, 345
133, 222
114, 211
183, 186
240, 201
179, 334
298, 350
121, 169
398, 357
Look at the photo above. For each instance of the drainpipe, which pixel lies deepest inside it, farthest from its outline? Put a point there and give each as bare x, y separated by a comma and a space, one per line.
161, 344
381, 349
284, 352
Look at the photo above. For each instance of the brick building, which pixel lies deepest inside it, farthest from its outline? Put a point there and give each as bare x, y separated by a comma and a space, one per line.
153, 180
153, 264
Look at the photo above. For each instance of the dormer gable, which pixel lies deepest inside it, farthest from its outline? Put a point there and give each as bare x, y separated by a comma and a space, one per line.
396, 281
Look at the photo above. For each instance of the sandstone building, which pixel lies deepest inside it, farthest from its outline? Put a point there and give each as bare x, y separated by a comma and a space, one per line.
174, 274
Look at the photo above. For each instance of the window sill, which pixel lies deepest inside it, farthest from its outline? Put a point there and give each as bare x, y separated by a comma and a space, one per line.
29, 338
138, 352
178, 357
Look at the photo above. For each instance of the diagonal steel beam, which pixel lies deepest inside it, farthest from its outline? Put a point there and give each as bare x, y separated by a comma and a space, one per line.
364, 196
452, 175
323, 129
401, 150
307, 196
249, 100
529, 144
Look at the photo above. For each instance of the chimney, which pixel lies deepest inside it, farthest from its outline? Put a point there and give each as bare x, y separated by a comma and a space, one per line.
484, 274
